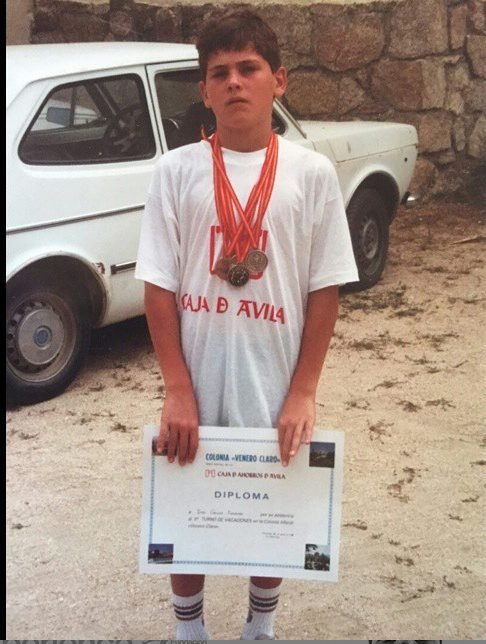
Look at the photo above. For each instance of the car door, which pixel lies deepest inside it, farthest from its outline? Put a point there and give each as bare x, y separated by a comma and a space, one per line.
81, 172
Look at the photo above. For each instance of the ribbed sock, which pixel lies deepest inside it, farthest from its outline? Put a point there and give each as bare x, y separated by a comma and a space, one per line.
261, 615
189, 616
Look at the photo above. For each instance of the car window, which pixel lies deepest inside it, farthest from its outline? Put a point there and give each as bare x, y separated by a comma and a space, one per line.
93, 121
182, 110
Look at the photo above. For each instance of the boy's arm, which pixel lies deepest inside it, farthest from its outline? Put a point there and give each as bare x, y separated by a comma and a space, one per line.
297, 417
179, 421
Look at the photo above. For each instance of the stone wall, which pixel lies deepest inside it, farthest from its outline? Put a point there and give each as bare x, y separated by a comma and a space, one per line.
19, 17
415, 61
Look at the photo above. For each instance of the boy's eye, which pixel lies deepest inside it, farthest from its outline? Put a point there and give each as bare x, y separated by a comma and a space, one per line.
248, 69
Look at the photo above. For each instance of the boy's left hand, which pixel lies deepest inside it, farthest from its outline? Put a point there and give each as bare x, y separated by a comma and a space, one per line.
295, 424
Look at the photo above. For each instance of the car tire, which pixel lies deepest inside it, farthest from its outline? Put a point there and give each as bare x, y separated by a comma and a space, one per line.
47, 340
369, 227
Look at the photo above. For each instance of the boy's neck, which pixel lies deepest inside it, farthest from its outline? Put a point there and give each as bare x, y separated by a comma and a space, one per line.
235, 139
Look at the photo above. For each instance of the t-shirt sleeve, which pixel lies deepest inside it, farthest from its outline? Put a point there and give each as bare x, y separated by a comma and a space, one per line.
159, 245
332, 258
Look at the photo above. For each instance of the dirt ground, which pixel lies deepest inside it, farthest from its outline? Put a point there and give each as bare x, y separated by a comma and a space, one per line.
403, 380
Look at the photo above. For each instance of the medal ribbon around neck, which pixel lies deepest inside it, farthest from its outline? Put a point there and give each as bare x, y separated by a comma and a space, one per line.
238, 238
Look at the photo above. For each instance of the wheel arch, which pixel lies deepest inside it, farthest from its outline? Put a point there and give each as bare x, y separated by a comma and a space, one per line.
387, 187
68, 269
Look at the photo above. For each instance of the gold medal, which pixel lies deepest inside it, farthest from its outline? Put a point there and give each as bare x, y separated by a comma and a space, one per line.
256, 261
238, 275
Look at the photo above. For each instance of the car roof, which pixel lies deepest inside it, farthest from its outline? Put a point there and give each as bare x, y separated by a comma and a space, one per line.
28, 63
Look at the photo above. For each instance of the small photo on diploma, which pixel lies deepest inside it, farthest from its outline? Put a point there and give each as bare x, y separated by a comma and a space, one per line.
321, 454
237, 511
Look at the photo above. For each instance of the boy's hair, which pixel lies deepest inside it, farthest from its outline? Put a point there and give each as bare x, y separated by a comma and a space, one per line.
233, 30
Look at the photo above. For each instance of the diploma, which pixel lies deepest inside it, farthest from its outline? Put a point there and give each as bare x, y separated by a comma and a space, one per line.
237, 511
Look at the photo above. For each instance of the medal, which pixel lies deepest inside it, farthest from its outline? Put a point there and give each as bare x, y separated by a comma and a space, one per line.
223, 265
238, 275
242, 228
256, 261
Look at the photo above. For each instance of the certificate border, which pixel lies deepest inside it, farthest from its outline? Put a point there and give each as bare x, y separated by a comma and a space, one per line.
189, 562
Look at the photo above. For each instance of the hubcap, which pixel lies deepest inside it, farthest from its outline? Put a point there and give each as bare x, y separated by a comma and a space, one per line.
35, 336
370, 237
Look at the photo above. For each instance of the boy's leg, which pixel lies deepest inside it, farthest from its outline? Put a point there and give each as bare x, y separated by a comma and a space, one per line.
264, 593
187, 599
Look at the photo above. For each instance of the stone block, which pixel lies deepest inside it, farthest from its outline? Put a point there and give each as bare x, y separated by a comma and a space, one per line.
477, 141
122, 5
418, 28
448, 182
122, 24
291, 60
434, 83
434, 132
410, 85
69, 6
424, 177
446, 158
476, 50
45, 19
457, 25
79, 27
458, 77
48, 37
102, 9
476, 96
459, 134
351, 95
348, 41
145, 22
477, 10
312, 94
168, 25
454, 102
192, 17
292, 25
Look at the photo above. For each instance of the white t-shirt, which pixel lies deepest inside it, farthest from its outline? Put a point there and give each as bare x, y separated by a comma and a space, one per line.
241, 344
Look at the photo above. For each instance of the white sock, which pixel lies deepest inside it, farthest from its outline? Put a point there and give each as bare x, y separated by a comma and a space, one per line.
189, 616
261, 615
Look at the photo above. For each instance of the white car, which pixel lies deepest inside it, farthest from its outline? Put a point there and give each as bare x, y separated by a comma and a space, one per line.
85, 126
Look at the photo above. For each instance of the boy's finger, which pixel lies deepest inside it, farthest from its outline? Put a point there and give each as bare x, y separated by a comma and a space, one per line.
182, 446
308, 430
296, 437
193, 445
162, 438
172, 447
285, 443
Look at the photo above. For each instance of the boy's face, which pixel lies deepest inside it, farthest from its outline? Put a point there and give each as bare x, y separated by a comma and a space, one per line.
240, 87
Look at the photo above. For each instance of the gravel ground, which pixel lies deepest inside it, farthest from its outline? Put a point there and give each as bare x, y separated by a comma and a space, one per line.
403, 379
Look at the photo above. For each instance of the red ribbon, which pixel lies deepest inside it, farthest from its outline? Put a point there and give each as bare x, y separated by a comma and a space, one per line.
240, 236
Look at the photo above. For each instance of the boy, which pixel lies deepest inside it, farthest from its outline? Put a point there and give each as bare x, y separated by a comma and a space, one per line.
253, 229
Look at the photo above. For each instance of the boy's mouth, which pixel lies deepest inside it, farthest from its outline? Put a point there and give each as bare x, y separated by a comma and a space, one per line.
232, 101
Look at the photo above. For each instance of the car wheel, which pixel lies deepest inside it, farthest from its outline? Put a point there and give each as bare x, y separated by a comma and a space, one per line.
368, 223
47, 340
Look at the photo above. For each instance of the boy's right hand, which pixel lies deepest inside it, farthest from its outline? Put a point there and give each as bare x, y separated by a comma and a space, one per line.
179, 427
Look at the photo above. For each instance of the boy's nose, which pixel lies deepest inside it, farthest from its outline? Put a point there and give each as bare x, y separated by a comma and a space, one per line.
234, 80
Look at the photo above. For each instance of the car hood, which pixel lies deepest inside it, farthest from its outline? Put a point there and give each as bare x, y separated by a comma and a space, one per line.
355, 139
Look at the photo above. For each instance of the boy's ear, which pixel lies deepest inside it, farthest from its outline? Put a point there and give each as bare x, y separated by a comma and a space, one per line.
204, 94
281, 82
